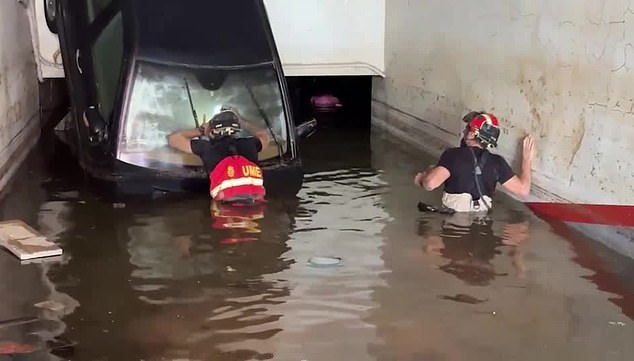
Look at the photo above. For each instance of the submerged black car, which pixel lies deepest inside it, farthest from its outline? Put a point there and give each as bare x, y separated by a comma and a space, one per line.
138, 70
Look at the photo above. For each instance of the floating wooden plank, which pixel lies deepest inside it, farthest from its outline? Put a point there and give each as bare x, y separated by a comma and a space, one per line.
25, 242
51, 259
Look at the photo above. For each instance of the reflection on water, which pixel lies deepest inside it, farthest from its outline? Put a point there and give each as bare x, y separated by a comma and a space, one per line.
242, 220
187, 279
470, 243
26, 283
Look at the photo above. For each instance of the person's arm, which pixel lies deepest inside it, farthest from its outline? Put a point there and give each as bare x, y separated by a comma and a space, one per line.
435, 175
263, 137
432, 178
521, 185
181, 139
247, 125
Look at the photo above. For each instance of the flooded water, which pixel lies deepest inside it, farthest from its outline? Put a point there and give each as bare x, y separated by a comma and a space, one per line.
180, 280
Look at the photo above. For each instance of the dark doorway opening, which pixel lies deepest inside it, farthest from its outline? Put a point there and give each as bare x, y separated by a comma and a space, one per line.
354, 94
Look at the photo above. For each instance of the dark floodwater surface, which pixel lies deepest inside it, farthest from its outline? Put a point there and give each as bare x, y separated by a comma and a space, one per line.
179, 280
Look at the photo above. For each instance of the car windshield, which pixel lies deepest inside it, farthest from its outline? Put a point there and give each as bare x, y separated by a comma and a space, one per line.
159, 104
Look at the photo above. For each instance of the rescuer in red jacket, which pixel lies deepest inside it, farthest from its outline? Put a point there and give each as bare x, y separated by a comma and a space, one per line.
231, 162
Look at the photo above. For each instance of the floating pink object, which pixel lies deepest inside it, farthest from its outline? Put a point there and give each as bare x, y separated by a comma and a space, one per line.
325, 102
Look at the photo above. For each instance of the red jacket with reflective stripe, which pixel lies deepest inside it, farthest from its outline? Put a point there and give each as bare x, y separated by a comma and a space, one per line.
236, 177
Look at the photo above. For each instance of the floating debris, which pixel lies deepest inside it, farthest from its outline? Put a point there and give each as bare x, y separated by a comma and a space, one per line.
325, 261
51, 259
617, 323
25, 242
461, 297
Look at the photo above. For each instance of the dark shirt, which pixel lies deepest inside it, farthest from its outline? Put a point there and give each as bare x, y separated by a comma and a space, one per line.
212, 151
459, 162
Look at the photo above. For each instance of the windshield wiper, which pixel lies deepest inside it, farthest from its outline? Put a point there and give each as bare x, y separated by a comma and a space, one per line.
191, 103
266, 120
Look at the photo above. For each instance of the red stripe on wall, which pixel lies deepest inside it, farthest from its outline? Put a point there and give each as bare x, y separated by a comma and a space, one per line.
605, 214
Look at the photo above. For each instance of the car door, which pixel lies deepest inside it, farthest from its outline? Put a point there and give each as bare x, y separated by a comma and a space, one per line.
70, 29
91, 36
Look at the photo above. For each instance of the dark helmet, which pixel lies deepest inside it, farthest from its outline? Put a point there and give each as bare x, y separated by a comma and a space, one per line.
225, 123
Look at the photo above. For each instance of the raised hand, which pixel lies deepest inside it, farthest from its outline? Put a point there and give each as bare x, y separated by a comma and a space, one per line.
528, 149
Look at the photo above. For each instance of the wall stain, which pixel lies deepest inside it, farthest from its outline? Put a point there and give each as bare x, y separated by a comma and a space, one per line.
580, 133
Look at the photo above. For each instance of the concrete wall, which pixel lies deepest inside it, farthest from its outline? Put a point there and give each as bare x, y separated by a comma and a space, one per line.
560, 70
19, 108
329, 37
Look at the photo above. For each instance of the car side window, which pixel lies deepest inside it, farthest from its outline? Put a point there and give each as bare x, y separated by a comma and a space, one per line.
95, 7
107, 55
